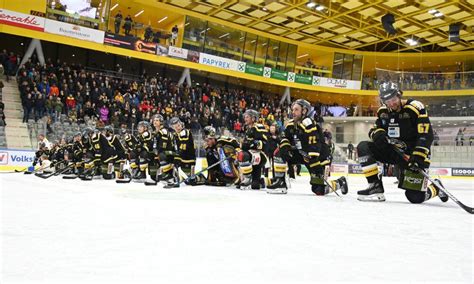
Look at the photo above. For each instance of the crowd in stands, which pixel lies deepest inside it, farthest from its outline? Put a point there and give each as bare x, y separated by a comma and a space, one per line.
57, 89
425, 81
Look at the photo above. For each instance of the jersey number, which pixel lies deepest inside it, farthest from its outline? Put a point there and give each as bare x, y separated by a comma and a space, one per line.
182, 147
423, 127
312, 140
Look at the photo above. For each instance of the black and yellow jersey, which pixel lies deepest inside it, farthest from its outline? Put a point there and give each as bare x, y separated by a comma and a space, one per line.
145, 141
305, 135
163, 140
102, 148
184, 143
411, 125
255, 137
131, 142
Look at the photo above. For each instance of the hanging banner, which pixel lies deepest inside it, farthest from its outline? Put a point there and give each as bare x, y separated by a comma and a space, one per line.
336, 83
303, 79
74, 31
254, 69
279, 75
178, 52
220, 62
21, 20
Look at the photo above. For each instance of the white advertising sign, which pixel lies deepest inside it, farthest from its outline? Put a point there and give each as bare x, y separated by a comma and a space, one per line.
75, 31
338, 83
220, 62
21, 20
16, 157
178, 52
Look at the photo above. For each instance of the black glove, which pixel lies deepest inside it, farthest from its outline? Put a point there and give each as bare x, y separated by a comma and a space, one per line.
256, 145
419, 159
378, 135
286, 153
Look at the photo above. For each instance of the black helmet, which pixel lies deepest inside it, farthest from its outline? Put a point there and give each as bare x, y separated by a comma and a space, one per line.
304, 104
252, 113
77, 134
123, 131
88, 131
388, 90
109, 129
209, 132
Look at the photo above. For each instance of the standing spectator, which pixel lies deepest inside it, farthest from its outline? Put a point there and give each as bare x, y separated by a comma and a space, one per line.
118, 21
58, 108
350, 150
148, 34
70, 103
174, 35
39, 106
459, 138
128, 25
27, 107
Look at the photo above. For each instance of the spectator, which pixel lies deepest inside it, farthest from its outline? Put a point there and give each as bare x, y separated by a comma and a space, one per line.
118, 21
350, 150
104, 114
28, 103
40, 102
148, 34
174, 35
128, 25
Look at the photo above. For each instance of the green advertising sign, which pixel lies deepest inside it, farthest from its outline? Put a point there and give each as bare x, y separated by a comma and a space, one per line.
303, 79
280, 75
254, 69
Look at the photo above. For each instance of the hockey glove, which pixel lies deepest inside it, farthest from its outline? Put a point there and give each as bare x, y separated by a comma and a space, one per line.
256, 145
419, 159
378, 135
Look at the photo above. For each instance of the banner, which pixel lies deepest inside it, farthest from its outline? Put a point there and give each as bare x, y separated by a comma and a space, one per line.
303, 79
21, 20
178, 52
22, 158
220, 62
254, 69
132, 43
74, 31
336, 83
279, 75
339, 168
440, 171
463, 172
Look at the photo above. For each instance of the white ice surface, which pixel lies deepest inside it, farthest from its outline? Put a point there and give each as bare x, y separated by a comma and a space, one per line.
73, 231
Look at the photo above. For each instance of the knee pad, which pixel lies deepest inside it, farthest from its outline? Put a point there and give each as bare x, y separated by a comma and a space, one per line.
415, 196
316, 180
318, 189
246, 168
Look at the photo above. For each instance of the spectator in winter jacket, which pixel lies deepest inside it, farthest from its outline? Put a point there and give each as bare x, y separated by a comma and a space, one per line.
27, 107
39, 106
104, 114
70, 103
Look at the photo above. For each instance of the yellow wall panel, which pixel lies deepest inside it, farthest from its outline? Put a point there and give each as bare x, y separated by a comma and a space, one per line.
24, 6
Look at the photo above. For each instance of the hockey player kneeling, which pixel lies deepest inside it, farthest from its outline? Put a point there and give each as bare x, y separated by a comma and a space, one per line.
402, 126
104, 155
218, 149
143, 151
303, 143
185, 157
252, 159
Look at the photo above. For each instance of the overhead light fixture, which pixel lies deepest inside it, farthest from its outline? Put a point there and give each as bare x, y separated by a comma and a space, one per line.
114, 6
139, 13
411, 42
311, 5
433, 11
264, 9
224, 35
162, 19
186, 24
439, 14
320, 8
302, 55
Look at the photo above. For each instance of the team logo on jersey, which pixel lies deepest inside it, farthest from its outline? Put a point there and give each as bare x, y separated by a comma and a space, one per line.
384, 115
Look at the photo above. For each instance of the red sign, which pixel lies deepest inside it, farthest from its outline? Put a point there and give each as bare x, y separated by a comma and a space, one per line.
21, 20
3, 158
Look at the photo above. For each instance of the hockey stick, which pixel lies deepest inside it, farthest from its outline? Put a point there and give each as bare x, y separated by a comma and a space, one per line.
203, 170
436, 183
56, 173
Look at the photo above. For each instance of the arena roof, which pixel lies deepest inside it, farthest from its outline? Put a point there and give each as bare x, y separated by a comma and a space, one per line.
352, 24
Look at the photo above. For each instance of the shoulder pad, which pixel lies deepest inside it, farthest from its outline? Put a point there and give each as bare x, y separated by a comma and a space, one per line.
183, 133
164, 131
417, 104
145, 134
307, 122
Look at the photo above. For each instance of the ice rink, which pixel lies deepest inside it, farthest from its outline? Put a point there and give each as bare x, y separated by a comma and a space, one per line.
73, 231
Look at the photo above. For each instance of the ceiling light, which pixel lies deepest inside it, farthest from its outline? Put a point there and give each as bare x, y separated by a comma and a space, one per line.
439, 14
224, 35
139, 13
320, 8
162, 19
113, 7
432, 11
303, 55
311, 4
264, 9
411, 42
186, 24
